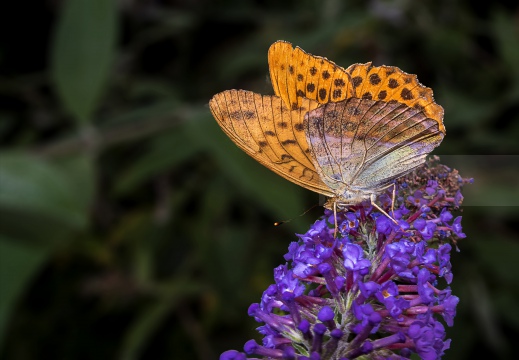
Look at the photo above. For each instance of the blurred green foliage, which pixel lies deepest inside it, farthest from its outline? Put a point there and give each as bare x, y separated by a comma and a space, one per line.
132, 228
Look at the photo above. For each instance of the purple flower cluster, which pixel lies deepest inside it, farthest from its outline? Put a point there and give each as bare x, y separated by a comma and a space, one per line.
375, 289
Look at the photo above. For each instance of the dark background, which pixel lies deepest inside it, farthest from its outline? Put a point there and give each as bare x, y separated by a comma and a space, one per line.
131, 227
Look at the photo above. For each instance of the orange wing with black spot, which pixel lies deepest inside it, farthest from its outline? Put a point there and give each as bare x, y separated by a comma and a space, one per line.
389, 83
296, 74
266, 129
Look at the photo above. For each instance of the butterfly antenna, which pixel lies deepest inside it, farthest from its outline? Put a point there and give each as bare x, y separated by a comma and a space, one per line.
278, 223
335, 219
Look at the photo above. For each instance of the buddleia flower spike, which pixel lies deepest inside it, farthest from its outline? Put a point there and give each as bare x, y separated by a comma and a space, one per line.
374, 291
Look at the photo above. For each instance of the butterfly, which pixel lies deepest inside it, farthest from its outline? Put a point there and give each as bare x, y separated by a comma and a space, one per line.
344, 133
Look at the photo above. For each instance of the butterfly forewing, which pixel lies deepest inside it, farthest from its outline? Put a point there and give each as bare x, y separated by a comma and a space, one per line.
269, 132
389, 83
296, 74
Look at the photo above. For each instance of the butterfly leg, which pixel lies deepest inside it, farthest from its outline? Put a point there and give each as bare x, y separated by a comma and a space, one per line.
373, 197
335, 219
393, 200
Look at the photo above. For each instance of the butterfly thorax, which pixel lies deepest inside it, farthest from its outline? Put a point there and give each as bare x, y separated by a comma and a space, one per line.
349, 197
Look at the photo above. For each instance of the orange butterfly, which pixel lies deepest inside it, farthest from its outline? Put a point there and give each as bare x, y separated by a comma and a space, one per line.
344, 133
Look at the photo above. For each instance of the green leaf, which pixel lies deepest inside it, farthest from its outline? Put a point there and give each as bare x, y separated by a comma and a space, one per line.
18, 265
33, 185
166, 151
506, 34
464, 110
498, 254
41, 203
80, 173
506, 305
150, 319
83, 52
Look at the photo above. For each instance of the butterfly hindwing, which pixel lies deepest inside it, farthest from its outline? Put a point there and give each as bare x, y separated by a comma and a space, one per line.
366, 144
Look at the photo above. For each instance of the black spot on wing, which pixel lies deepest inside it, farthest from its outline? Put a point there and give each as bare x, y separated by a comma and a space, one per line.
406, 94
322, 94
339, 82
374, 79
392, 83
326, 75
357, 80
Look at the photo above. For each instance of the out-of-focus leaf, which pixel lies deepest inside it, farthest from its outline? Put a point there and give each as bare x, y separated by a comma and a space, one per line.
486, 313
462, 110
243, 62
18, 265
166, 151
143, 328
497, 254
153, 316
506, 32
165, 91
506, 305
464, 340
495, 178
84, 48
6, 121
80, 174
33, 185
232, 253
228, 248
148, 113
34, 228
